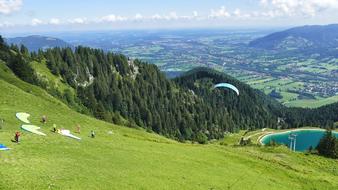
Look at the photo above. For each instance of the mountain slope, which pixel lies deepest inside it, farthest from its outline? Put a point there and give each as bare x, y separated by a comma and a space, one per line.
305, 37
109, 83
133, 159
36, 42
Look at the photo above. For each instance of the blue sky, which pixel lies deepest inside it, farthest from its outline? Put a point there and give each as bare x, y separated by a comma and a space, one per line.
52, 15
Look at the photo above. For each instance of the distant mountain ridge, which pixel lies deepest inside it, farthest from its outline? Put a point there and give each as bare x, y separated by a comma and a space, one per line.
304, 37
36, 42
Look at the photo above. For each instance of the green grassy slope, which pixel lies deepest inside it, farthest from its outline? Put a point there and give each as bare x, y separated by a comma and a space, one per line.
45, 75
134, 159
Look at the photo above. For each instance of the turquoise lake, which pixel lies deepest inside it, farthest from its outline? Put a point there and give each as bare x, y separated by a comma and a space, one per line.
304, 138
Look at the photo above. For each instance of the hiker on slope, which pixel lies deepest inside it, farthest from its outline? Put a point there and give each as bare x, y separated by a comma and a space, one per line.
17, 137
44, 119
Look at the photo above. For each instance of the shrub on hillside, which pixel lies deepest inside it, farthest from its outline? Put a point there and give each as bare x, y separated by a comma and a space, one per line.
201, 138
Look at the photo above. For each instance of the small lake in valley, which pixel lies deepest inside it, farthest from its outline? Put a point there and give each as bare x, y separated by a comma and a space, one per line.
299, 139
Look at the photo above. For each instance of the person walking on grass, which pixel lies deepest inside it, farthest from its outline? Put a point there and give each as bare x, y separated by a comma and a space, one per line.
54, 128
92, 134
17, 137
44, 119
78, 128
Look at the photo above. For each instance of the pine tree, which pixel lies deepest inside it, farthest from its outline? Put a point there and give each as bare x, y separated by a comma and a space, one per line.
22, 69
328, 145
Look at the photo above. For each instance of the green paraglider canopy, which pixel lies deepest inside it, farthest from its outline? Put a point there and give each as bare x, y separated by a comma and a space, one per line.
23, 117
227, 85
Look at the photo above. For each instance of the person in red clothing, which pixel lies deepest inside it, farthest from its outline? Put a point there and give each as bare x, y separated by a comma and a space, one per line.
17, 136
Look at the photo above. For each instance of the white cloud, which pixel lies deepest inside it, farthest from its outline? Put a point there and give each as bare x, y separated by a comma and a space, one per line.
277, 8
36, 22
220, 13
113, 18
223, 13
54, 21
168, 17
156, 17
298, 7
172, 16
237, 13
9, 6
78, 21
164, 17
138, 17
195, 14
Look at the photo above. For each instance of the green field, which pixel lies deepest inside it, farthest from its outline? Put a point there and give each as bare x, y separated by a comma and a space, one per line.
124, 158
282, 86
313, 103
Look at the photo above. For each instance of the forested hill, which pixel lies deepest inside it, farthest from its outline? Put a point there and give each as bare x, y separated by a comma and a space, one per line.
252, 107
113, 88
325, 116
